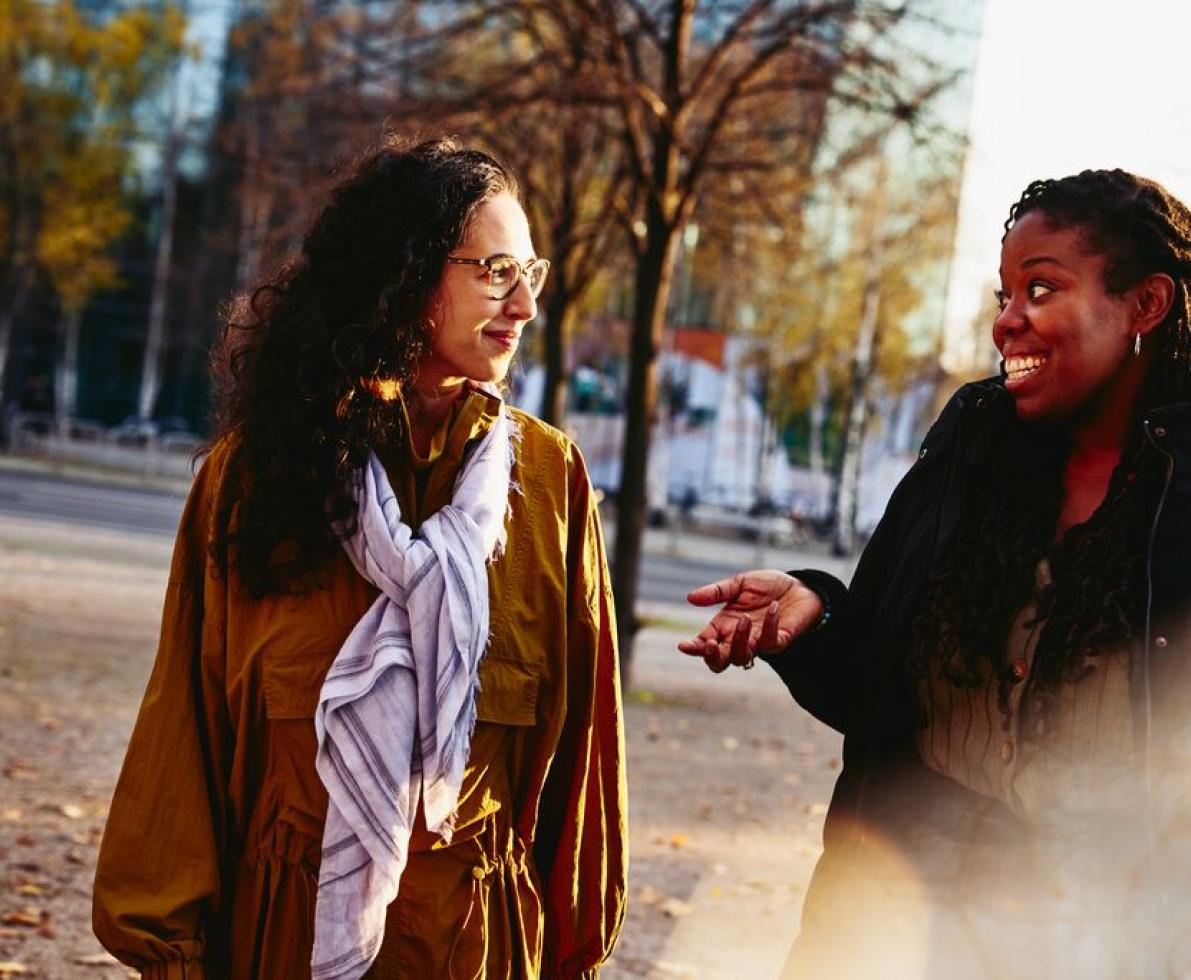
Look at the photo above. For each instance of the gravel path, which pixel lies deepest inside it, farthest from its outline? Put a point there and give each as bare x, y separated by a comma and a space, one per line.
728, 778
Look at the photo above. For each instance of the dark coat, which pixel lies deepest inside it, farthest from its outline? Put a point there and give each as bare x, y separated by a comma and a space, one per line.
852, 674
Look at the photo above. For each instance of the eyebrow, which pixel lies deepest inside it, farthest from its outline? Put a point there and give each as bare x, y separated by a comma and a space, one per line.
1039, 259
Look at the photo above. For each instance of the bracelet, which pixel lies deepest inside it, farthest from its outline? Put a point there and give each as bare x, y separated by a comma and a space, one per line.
824, 620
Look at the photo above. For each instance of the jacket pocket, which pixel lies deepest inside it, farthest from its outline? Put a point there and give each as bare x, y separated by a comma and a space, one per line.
508, 692
292, 680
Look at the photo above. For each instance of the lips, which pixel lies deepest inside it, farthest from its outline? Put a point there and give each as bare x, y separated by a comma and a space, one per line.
505, 338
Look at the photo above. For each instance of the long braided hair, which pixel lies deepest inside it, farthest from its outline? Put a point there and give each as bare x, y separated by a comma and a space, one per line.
1009, 509
299, 369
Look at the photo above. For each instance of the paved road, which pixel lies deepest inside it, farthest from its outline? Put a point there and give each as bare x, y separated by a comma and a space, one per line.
671, 567
76, 500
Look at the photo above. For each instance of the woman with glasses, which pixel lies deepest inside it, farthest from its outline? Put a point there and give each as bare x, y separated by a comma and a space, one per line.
1010, 665
383, 734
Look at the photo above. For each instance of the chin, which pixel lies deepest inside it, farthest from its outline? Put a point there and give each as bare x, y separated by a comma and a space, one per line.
1041, 413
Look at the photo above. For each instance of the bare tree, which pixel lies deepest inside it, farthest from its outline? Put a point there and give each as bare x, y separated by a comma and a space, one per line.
687, 80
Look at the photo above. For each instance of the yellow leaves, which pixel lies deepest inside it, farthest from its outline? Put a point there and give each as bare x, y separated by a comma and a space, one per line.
71, 97
83, 217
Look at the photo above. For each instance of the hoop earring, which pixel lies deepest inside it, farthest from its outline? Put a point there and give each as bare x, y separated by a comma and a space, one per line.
1137, 344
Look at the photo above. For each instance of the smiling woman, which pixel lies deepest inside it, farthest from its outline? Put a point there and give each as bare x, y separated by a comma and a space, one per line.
383, 733
1011, 663
478, 330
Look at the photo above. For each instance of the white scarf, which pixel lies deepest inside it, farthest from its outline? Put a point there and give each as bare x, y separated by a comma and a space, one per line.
398, 706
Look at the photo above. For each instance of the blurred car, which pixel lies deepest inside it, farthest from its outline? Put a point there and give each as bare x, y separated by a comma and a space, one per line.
171, 431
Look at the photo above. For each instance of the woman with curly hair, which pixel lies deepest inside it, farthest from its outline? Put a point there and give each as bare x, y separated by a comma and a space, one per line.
383, 733
1011, 663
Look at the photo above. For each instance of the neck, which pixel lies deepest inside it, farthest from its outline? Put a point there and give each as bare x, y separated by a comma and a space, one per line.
429, 405
1098, 440
1105, 427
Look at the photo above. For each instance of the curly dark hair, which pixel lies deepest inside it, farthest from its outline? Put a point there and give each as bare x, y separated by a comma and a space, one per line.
301, 355
986, 574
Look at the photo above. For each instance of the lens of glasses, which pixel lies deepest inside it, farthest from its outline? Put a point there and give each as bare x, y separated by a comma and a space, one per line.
536, 274
503, 273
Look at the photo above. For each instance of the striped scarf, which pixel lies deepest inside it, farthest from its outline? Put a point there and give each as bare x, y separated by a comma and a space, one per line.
398, 705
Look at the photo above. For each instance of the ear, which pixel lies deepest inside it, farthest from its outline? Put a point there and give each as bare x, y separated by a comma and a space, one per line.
1155, 294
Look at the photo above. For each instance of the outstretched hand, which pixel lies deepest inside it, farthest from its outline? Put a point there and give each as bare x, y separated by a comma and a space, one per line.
763, 612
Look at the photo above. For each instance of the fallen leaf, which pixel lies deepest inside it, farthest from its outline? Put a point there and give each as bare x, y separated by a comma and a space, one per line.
11, 968
12, 814
22, 917
648, 895
97, 959
71, 810
679, 840
20, 769
29, 889
675, 908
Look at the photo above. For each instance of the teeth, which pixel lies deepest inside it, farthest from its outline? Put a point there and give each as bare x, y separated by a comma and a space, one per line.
1019, 367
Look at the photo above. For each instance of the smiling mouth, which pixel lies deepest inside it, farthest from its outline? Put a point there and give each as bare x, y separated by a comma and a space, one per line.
508, 339
1019, 368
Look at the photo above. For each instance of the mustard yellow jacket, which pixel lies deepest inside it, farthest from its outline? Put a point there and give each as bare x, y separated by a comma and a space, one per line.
209, 862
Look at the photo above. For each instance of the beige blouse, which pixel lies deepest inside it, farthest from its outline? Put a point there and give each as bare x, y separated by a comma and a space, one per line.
1086, 752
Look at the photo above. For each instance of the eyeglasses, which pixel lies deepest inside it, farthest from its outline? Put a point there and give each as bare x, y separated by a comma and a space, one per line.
504, 272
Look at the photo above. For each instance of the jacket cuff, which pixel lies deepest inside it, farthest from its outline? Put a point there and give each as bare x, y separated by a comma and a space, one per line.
830, 590
174, 970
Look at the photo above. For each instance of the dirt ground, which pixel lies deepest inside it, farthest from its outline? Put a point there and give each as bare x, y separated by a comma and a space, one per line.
728, 779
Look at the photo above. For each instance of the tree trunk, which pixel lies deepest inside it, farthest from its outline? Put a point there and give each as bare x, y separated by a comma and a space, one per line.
255, 205
158, 305
818, 425
22, 285
761, 487
818, 418
664, 215
66, 374
560, 319
655, 269
847, 487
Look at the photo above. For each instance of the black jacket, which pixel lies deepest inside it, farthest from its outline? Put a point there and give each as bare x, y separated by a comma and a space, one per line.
852, 673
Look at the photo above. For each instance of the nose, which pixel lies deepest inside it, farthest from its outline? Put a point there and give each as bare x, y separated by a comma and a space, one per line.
1010, 320
520, 303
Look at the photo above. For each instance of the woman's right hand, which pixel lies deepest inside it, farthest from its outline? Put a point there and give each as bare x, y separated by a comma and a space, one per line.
763, 612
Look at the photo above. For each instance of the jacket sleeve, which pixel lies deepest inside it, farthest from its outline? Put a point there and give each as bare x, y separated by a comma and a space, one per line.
823, 669
581, 847
157, 881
